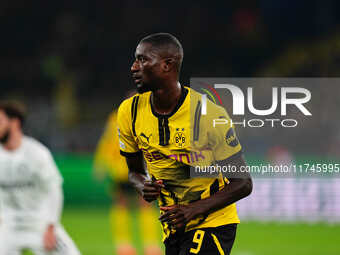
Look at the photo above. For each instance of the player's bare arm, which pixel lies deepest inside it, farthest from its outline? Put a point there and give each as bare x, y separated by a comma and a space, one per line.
148, 189
238, 188
50, 239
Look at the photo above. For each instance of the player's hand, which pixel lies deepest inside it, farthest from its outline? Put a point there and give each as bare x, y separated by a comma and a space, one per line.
151, 190
177, 216
50, 240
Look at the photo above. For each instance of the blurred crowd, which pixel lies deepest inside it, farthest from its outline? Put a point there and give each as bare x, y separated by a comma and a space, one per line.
69, 61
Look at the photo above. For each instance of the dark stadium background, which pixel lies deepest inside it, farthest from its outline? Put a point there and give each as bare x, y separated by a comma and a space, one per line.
69, 61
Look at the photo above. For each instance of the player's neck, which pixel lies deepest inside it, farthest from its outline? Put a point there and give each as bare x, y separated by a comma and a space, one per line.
164, 100
14, 141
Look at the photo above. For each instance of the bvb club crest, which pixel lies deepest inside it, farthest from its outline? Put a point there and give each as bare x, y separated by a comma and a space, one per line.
179, 138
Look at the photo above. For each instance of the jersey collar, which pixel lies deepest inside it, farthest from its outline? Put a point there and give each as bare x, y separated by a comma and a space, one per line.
184, 94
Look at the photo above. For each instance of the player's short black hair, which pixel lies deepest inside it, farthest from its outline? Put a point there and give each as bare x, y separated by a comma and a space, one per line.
166, 43
14, 109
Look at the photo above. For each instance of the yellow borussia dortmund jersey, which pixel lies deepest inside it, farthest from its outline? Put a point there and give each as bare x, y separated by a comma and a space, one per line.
174, 142
107, 158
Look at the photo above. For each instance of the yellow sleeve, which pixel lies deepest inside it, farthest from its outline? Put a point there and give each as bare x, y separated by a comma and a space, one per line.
107, 158
225, 143
127, 142
107, 146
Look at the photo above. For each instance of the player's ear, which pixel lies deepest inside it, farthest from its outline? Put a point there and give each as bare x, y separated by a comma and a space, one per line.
168, 64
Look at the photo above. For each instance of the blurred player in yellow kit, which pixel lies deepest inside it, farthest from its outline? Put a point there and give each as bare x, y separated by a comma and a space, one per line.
109, 162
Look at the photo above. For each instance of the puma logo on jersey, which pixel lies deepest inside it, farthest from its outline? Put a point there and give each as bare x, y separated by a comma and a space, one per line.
146, 137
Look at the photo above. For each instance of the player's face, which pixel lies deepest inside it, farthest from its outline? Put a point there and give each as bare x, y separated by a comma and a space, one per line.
5, 123
146, 69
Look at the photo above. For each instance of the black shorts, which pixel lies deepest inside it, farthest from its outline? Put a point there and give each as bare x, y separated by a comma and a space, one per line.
205, 241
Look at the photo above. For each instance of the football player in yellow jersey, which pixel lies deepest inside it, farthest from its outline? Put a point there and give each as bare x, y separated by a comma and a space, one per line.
109, 162
198, 215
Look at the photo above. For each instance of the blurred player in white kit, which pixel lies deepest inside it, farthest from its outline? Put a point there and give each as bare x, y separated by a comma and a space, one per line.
31, 195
